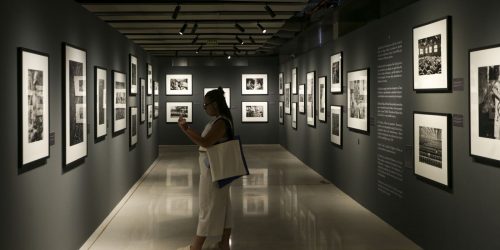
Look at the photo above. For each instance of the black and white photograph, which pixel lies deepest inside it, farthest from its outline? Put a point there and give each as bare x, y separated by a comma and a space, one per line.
134, 77
175, 109
34, 93
133, 126
322, 99
336, 125
432, 143
227, 94
150, 120
484, 99
119, 101
336, 73
143, 100
288, 99
302, 98
294, 115
156, 109
179, 85
281, 112
281, 82
156, 88
101, 81
430, 56
254, 84
358, 99
295, 81
254, 112
311, 98
150, 79
75, 113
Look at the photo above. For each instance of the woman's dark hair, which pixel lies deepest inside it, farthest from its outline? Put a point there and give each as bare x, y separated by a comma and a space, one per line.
217, 96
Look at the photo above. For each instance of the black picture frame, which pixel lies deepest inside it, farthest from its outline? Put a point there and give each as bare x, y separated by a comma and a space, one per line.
149, 83
133, 138
359, 128
118, 126
133, 75
97, 136
334, 139
310, 92
142, 99
322, 118
150, 120
337, 88
246, 119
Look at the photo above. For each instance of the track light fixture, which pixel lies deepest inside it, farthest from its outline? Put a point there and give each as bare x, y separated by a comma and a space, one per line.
195, 39
176, 11
251, 39
264, 31
240, 41
195, 27
236, 48
183, 29
239, 27
270, 11
199, 48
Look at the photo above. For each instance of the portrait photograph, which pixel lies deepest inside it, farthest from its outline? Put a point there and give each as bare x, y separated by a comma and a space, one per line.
254, 84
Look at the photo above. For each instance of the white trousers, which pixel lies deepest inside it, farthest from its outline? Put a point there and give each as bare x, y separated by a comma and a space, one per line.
215, 203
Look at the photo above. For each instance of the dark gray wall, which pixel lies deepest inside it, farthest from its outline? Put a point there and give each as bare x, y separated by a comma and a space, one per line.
465, 217
214, 72
48, 207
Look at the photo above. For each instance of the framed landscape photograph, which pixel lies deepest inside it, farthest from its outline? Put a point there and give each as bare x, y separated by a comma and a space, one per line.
336, 125
75, 104
143, 100
336, 73
119, 101
150, 120
295, 81
311, 98
432, 143
133, 126
322, 98
281, 112
484, 101
227, 94
358, 95
101, 76
156, 109
179, 85
150, 79
302, 97
156, 88
33, 106
288, 98
134, 77
431, 54
254, 112
281, 82
176, 109
294, 115
254, 84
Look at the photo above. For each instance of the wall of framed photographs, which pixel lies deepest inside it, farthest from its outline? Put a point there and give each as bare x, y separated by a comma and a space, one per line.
202, 74
51, 204
423, 157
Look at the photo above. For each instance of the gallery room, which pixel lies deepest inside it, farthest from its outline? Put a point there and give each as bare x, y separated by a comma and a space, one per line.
250, 125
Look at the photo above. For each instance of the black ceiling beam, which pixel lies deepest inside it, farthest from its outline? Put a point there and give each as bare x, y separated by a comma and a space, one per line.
199, 21
210, 34
186, 2
191, 44
168, 14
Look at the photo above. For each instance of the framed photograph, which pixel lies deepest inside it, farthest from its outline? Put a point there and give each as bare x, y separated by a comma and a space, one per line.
311, 98
227, 94
150, 120
101, 82
281, 82
156, 89
33, 106
134, 77
322, 98
432, 143
156, 109
281, 112
119, 102
254, 112
336, 125
254, 84
176, 109
179, 85
431, 54
75, 104
302, 97
358, 99
294, 81
294, 115
484, 101
143, 100
288, 99
133, 126
150, 79
336, 73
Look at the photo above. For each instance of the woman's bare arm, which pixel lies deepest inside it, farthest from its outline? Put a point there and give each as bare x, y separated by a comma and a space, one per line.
217, 132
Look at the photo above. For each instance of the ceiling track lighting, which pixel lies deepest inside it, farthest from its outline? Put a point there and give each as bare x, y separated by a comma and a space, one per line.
240, 41
183, 29
176, 11
264, 30
270, 11
236, 48
251, 39
195, 27
199, 48
239, 27
195, 39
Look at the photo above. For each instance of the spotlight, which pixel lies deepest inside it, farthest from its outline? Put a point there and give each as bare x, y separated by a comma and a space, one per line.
240, 41
199, 48
176, 12
181, 32
195, 27
239, 27
251, 39
228, 57
262, 28
270, 11
195, 39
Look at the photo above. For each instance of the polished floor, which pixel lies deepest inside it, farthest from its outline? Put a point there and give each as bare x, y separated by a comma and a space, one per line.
283, 204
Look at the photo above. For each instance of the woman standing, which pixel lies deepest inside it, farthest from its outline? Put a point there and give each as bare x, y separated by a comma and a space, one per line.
214, 216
